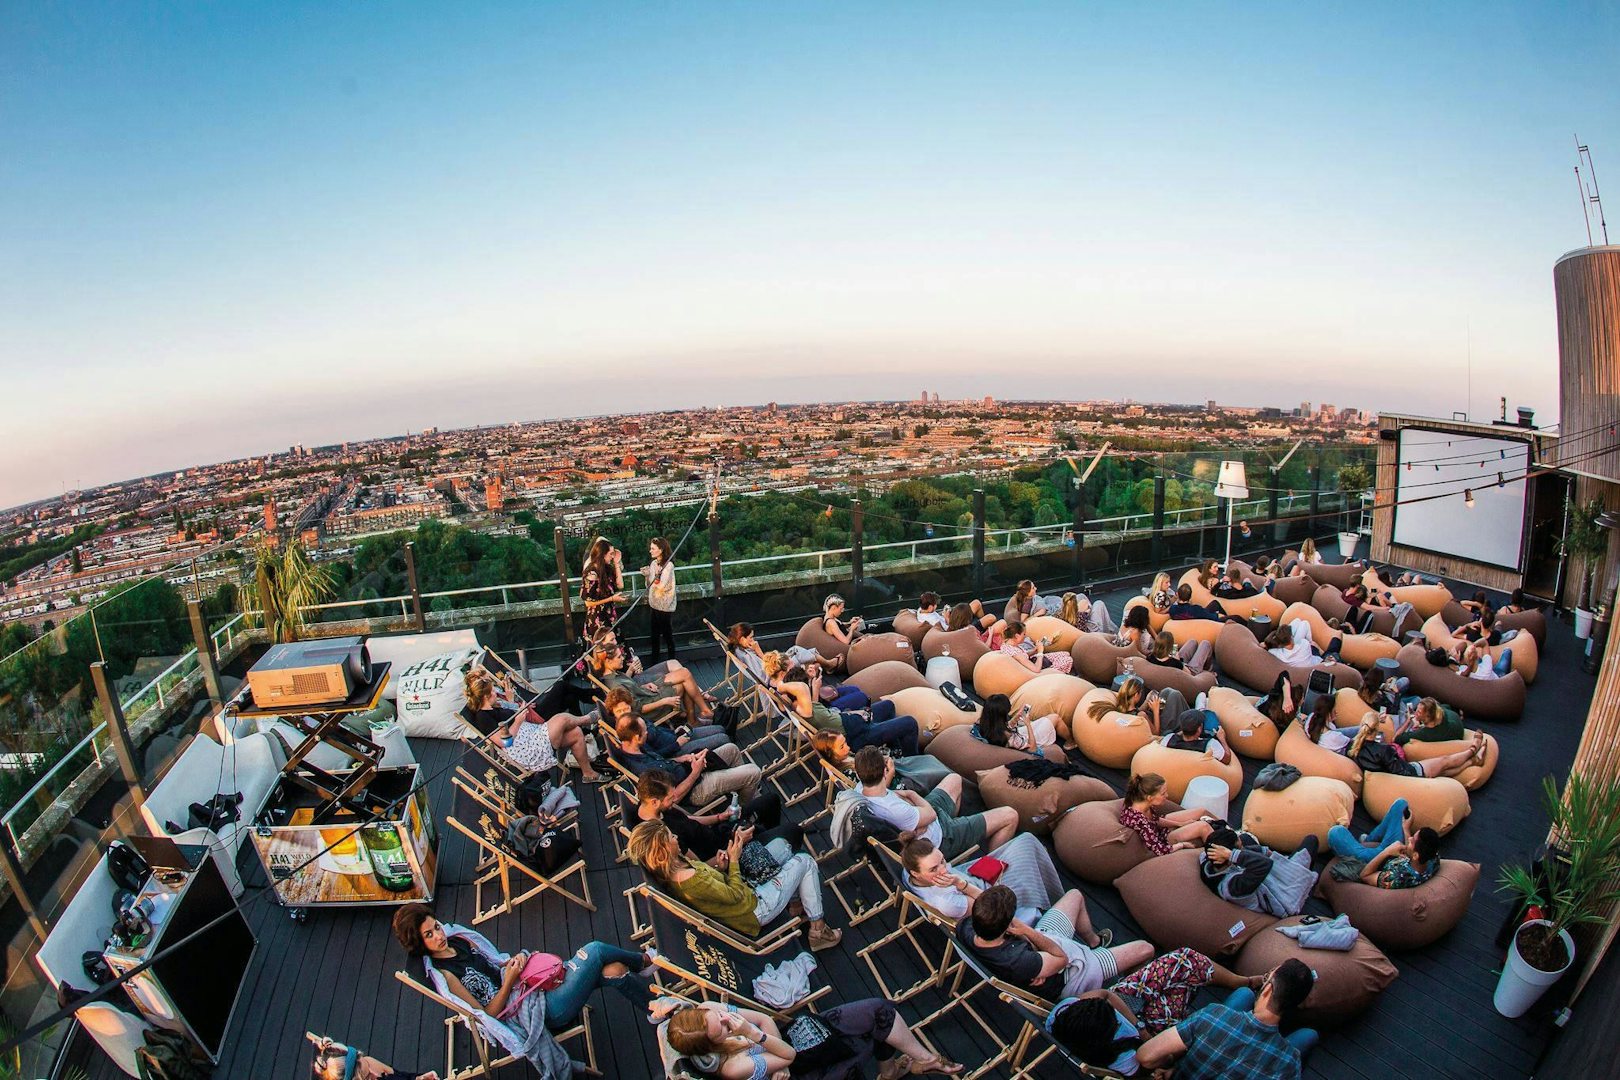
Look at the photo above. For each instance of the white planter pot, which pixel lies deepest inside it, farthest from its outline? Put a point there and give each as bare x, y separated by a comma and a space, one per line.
1583, 623
1521, 985
1347, 544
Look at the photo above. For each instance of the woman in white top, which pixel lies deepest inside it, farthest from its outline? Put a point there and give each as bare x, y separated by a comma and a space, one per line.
1308, 552
660, 575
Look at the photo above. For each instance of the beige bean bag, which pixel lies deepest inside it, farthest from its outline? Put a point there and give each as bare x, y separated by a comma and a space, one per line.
1348, 708
1156, 619
1063, 634
1405, 918
1096, 658
1339, 575
1330, 602
1346, 982
1437, 802
907, 623
1051, 692
1533, 621
1176, 910
1474, 776
870, 649
1310, 806
1200, 595
1526, 654
1479, 699
1262, 603
1113, 740
812, 635
1041, 807
1249, 575
1249, 730
960, 752
882, 679
1427, 599
933, 712
1185, 630
1293, 590
965, 645
1092, 843
1178, 767
1165, 677
999, 673
1358, 650
1244, 659
1293, 748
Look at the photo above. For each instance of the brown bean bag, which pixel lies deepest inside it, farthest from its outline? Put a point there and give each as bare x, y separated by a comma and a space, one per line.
965, 646
1346, 982
1532, 620
1200, 595
1330, 602
1526, 655
1092, 843
1165, 677
1261, 604
1185, 630
1310, 806
1348, 708
1242, 658
1474, 776
1249, 731
870, 649
1156, 619
1339, 575
999, 673
1096, 658
1051, 692
1248, 574
1039, 808
1481, 699
1357, 650
1176, 910
1293, 590
881, 680
960, 752
1405, 918
1113, 740
907, 623
1178, 767
1437, 802
933, 712
1062, 633
1427, 599
1293, 748
813, 635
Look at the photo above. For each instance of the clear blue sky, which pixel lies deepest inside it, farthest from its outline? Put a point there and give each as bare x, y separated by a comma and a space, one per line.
226, 228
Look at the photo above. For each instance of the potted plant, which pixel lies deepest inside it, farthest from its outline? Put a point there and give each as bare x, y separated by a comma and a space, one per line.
1587, 540
1354, 482
1576, 884
285, 582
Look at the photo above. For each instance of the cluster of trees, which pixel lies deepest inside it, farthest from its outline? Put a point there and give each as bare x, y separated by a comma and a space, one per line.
17, 556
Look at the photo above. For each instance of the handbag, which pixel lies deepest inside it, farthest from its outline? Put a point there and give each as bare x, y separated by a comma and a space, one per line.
756, 864
542, 971
815, 1043
987, 869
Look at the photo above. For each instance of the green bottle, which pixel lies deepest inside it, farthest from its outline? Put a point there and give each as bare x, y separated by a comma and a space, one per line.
388, 863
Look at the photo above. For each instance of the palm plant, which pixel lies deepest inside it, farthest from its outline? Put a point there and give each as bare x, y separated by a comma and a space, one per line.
1579, 881
1585, 539
285, 582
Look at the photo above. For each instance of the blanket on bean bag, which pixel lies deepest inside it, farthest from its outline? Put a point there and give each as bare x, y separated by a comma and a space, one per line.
1346, 982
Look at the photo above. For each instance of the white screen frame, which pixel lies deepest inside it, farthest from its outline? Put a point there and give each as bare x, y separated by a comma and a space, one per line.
1439, 469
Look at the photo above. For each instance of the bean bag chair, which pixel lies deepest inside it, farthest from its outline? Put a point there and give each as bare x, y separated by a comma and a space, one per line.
1346, 982
1178, 767
1526, 654
812, 635
1096, 658
1348, 708
1427, 599
1533, 621
1092, 843
1405, 918
1185, 630
1156, 619
999, 673
1437, 802
964, 645
881, 680
1200, 595
1249, 731
1474, 776
1330, 602
934, 713
1165, 677
1340, 575
1479, 699
1293, 590
1051, 692
907, 623
1261, 604
1113, 740
1257, 580
1242, 658
1293, 748
1176, 910
1358, 650
1063, 634
870, 649
967, 756
1041, 807
1310, 806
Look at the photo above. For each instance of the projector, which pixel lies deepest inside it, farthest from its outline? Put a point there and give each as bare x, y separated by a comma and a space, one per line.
305, 673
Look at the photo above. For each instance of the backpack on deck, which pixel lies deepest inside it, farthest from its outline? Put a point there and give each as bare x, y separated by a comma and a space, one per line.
168, 1056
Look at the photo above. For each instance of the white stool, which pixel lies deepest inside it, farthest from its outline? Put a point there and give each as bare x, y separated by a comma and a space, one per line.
1206, 793
942, 670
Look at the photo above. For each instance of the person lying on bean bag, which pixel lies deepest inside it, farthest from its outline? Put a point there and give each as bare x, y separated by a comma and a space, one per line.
1238, 868
1392, 856
1292, 645
1061, 955
1184, 608
1233, 587
1371, 754
1162, 830
1032, 655
1430, 721
998, 727
1199, 731
1195, 657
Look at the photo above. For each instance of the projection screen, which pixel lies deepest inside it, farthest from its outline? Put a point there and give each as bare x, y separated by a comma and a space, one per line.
1444, 463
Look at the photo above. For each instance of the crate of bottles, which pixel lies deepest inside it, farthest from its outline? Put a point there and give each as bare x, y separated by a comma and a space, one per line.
318, 857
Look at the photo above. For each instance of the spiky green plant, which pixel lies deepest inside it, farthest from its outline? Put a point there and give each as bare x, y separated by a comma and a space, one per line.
285, 582
1585, 539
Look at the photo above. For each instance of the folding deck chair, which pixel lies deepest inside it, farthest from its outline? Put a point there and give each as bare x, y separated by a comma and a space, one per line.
497, 861
1035, 1036
485, 1050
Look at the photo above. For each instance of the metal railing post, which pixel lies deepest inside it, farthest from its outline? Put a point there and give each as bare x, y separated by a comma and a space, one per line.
118, 732
857, 555
416, 590
714, 565
14, 877
1158, 519
563, 589
205, 653
1077, 570
978, 542
1315, 474
1277, 529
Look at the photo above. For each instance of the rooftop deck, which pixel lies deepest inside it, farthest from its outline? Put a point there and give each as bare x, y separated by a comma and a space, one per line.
334, 974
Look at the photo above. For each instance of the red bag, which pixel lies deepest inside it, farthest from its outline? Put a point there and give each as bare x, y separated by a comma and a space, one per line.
541, 971
988, 869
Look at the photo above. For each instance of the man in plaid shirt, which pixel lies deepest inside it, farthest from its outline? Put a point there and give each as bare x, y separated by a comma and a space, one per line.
1233, 1041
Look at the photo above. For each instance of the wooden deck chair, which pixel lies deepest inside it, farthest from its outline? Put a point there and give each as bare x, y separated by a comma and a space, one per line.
492, 763
1036, 1037
669, 715
491, 1056
715, 959
915, 913
739, 687
497, 862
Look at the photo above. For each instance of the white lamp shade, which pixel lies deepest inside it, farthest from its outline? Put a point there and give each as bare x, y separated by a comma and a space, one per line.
1233, 484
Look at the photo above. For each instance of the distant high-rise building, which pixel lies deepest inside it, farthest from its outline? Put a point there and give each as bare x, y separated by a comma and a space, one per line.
1327, 412
989, 402
1304, 408
936, 397
924, 398
1209, 406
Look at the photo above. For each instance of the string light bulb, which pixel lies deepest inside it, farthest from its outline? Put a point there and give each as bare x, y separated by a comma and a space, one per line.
1468, 498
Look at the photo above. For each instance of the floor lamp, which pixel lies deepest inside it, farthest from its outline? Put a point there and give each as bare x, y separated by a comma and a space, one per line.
1232, 485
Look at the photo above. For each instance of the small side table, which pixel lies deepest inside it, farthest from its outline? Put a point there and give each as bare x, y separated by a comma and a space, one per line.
942, 670
1260, 626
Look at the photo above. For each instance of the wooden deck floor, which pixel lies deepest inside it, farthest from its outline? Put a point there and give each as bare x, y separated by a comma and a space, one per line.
334, 974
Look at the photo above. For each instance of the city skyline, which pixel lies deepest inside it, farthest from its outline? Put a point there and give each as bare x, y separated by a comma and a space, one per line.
227, 231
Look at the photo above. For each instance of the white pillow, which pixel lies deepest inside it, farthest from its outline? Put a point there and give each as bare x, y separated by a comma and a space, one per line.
430, 695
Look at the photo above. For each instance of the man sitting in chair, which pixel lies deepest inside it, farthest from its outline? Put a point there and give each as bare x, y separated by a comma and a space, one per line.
935, 817
1060, 956
1025, 867
694, 780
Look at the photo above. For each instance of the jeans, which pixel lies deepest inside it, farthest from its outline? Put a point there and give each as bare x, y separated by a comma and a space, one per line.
799, 876
1505, 663
1301, 1039
884, 729
585, 975
663, 632
705, 737
849, 697
1344, 843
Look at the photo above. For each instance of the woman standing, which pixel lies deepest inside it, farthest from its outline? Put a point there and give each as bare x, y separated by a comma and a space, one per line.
601, 587
660, 575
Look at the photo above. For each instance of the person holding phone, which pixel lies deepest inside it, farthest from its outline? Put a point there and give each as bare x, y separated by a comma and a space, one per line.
999, 727
1032, 655
601, 586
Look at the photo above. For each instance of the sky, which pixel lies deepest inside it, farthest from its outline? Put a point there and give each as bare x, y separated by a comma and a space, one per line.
227, 228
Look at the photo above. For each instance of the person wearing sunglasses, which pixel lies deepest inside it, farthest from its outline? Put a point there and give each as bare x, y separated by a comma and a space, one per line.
334, 1061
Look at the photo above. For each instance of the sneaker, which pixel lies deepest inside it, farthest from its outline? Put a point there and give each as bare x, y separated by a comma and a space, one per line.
1199, 701
822, 940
